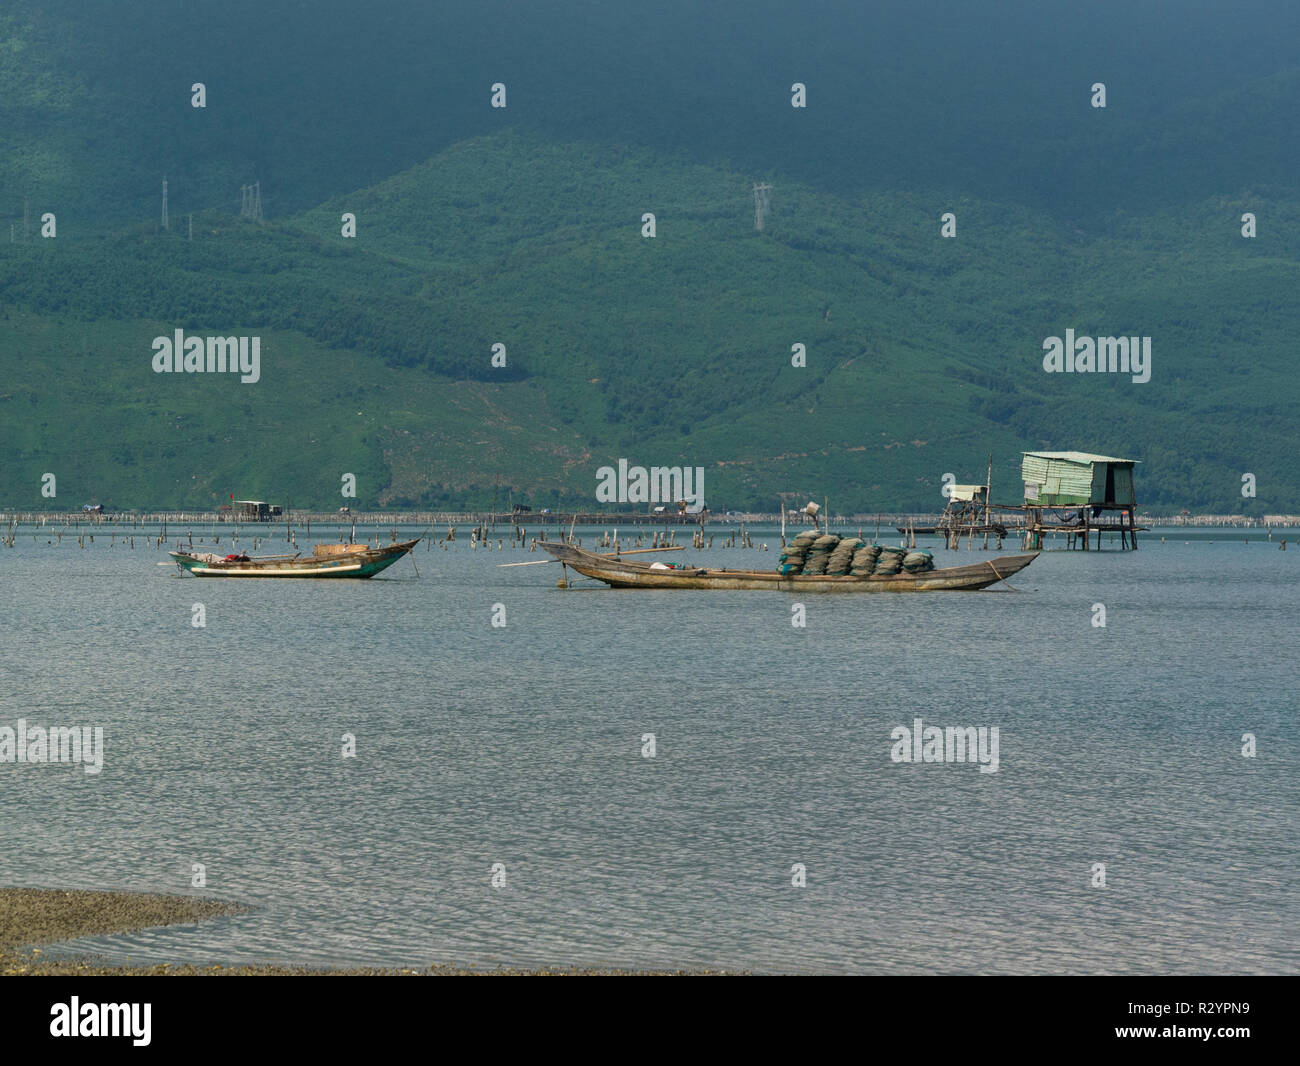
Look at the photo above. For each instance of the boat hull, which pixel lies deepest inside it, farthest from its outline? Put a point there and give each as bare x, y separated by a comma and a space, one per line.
618, 573
360, 565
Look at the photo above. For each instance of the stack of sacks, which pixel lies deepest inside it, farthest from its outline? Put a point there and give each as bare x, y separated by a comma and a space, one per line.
840, 561
816, 554
793, 556
918, 562
890, 561
864, 560
817, 558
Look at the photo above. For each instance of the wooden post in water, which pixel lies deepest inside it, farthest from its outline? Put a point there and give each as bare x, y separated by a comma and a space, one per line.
988, 485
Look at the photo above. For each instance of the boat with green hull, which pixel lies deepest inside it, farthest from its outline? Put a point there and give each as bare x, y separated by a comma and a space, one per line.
326, 561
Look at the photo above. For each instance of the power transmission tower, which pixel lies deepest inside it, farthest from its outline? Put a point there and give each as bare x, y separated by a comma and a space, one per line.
251, 204
164, 213
762, 204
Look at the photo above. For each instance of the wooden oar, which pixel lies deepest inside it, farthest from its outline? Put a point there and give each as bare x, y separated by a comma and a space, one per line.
608, 555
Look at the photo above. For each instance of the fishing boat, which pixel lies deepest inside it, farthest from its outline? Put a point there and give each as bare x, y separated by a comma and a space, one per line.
326, 560
624, 574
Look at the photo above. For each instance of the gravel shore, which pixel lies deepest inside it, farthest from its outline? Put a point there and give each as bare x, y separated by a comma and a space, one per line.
30, 916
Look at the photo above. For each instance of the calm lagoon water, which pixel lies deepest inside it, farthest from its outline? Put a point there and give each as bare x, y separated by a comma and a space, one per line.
522, 745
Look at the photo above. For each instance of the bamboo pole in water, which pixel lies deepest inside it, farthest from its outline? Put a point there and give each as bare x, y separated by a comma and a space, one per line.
638, 551
988, 483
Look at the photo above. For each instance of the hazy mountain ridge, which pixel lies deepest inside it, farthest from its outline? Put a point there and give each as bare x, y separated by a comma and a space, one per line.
318, 100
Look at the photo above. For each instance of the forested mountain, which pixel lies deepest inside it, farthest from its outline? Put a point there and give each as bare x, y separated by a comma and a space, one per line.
523, 226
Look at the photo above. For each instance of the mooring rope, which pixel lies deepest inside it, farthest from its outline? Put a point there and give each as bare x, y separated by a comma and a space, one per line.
1001, 578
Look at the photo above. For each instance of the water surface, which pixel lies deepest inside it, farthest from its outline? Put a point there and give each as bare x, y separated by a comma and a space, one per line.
523, 745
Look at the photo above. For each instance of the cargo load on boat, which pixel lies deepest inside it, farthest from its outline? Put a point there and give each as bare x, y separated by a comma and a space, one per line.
815, 554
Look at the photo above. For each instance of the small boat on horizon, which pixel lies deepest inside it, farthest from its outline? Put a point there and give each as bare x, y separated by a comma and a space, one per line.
620, 573
326, 560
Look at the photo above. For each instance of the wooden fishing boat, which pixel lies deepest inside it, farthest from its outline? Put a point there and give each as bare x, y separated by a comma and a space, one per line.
326, 560
624, 574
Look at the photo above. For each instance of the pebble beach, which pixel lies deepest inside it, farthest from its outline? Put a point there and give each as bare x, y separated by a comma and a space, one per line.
30, 917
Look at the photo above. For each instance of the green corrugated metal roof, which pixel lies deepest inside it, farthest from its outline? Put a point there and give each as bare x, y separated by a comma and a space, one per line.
1080, 457
1073, 479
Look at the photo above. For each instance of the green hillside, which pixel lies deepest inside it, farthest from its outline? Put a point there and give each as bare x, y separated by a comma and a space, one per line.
523, 228
675, 349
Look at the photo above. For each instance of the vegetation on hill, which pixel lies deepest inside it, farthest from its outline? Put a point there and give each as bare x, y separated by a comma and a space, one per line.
524, 228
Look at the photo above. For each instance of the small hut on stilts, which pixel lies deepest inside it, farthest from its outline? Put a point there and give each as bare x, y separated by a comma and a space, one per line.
1077, 494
